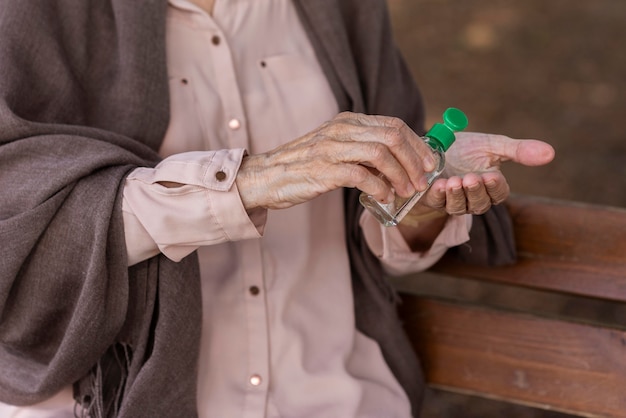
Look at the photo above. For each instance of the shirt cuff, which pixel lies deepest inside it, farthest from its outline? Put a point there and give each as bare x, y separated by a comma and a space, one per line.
202, 206
388, 244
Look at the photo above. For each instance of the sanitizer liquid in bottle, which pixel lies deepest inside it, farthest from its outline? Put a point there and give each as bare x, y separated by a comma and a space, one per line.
439, 138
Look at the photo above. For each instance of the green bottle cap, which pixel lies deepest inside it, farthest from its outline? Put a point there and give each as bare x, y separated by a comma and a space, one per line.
454, 120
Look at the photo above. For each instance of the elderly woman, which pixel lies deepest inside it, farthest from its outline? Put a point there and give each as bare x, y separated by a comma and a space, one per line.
180, 221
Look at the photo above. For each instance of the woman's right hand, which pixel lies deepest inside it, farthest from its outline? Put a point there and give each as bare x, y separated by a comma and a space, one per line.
351, 150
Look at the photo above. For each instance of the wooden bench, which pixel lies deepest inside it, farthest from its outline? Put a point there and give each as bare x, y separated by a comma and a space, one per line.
549, 331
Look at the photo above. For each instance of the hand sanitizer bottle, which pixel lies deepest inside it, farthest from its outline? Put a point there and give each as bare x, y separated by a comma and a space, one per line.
439, 138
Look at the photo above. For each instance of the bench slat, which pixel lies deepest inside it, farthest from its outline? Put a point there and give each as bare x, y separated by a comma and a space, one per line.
572, 367
563, 246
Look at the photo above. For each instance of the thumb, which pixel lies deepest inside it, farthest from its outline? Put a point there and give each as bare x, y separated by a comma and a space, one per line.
529, 152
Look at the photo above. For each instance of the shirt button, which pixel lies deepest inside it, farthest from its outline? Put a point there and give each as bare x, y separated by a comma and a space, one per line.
254, 290
215, 40
255, 380
220, 176
234, 124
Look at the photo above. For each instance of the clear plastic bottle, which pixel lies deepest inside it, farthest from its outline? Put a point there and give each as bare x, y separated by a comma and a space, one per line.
440, 137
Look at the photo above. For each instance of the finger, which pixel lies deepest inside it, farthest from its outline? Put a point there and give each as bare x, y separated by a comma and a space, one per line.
456, 202
365, 180
478, 200
349, 175
375, 156
496, 186
406, 145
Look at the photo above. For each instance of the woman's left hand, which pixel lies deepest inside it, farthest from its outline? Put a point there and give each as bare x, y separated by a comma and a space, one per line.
472, 181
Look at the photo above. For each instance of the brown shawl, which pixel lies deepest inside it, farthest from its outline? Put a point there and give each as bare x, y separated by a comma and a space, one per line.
84, 100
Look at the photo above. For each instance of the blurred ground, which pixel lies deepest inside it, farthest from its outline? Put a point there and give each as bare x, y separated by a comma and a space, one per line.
553, 70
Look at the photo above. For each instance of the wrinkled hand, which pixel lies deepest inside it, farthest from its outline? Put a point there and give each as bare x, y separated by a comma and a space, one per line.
472, 181
348, 151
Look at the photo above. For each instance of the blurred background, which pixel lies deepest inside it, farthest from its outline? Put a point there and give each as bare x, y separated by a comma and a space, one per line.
548, 69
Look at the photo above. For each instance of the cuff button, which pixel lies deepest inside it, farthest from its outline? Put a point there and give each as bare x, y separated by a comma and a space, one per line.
220, 176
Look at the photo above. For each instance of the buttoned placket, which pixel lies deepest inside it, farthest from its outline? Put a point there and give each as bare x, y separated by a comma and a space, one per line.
228, 89
256, 385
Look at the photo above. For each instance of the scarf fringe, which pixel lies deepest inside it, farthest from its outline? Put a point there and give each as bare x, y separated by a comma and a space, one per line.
99, 394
